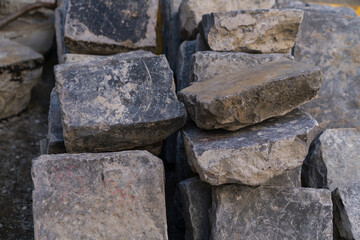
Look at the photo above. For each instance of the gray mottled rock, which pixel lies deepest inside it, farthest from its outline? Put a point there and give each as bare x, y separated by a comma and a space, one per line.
11, 6
115, 104
338, 104
20, 70
235, 100
191, 11
187, 48
317, 7
108, 27
254, 31
60, 13
240, 212
207, 65
333, 159
253, 155
200, 44
99, 196
347, 211
196, 198
289, 178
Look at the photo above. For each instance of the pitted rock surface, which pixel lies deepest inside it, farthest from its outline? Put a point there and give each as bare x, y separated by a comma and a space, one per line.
253, 31
115, 104
100, 196
235, 100
253, 155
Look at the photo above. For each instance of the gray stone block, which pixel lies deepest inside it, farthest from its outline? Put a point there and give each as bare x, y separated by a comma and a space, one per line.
187, 48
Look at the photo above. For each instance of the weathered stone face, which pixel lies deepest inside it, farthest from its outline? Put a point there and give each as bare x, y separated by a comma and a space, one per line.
253, 155
253, 31
187, 48
316, 7
338, 104
196, 198
191, 11
346, 211
108, 27
289, 178
114, 104
20, 70
101, 196
240, 212
333, 159
235, 100
200, 45
207, 65
11, 6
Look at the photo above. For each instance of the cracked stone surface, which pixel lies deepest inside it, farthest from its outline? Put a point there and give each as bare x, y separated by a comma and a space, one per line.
115, 104
102, 196
109, 27
240, 212
253, 31
253, 155
20, 71
235, 100
333, 160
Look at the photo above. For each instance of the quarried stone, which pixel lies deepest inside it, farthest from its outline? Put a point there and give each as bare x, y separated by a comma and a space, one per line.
289, 178
240, 212
115, 104
253, 31
253, 155
99, 196
235, 100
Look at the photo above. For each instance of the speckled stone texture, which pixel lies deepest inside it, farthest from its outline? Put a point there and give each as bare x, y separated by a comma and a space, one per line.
20, 70
253, 31
196, 198
207, 65
11, 6
240, 212
333, 159
191, 11
114, 104
235, 100
108, 27
346, 202
253, 155
99, 196
331, 42
289, 178
187, 48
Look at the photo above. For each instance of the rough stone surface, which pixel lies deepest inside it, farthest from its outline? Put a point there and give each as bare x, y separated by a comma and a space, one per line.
240, 212
20, 70
196, 197
200, 44
11, 6
60, 13
187, 48
333, 159
254, 31
250, 156
114, 104
236, 100
108, 27
207, 65
191, 11
317, 8
289, 178
347, 211
330, 41
99, 196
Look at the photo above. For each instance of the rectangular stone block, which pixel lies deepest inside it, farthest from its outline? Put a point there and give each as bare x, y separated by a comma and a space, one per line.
99, 196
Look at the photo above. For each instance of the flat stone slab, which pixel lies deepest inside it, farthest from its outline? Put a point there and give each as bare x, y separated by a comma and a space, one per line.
338, 104
191, 11
253, 31
333, 160
99, 196
346, 211
253, 155
207, 64
108, 27
114, 104
240, 212
20, 70
233, 101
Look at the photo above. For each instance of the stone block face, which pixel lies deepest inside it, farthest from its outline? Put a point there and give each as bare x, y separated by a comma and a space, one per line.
109, 27
250, 156
253, 31
99, 196
289, 178
20, 70
240, 212
236, 100
115, 104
